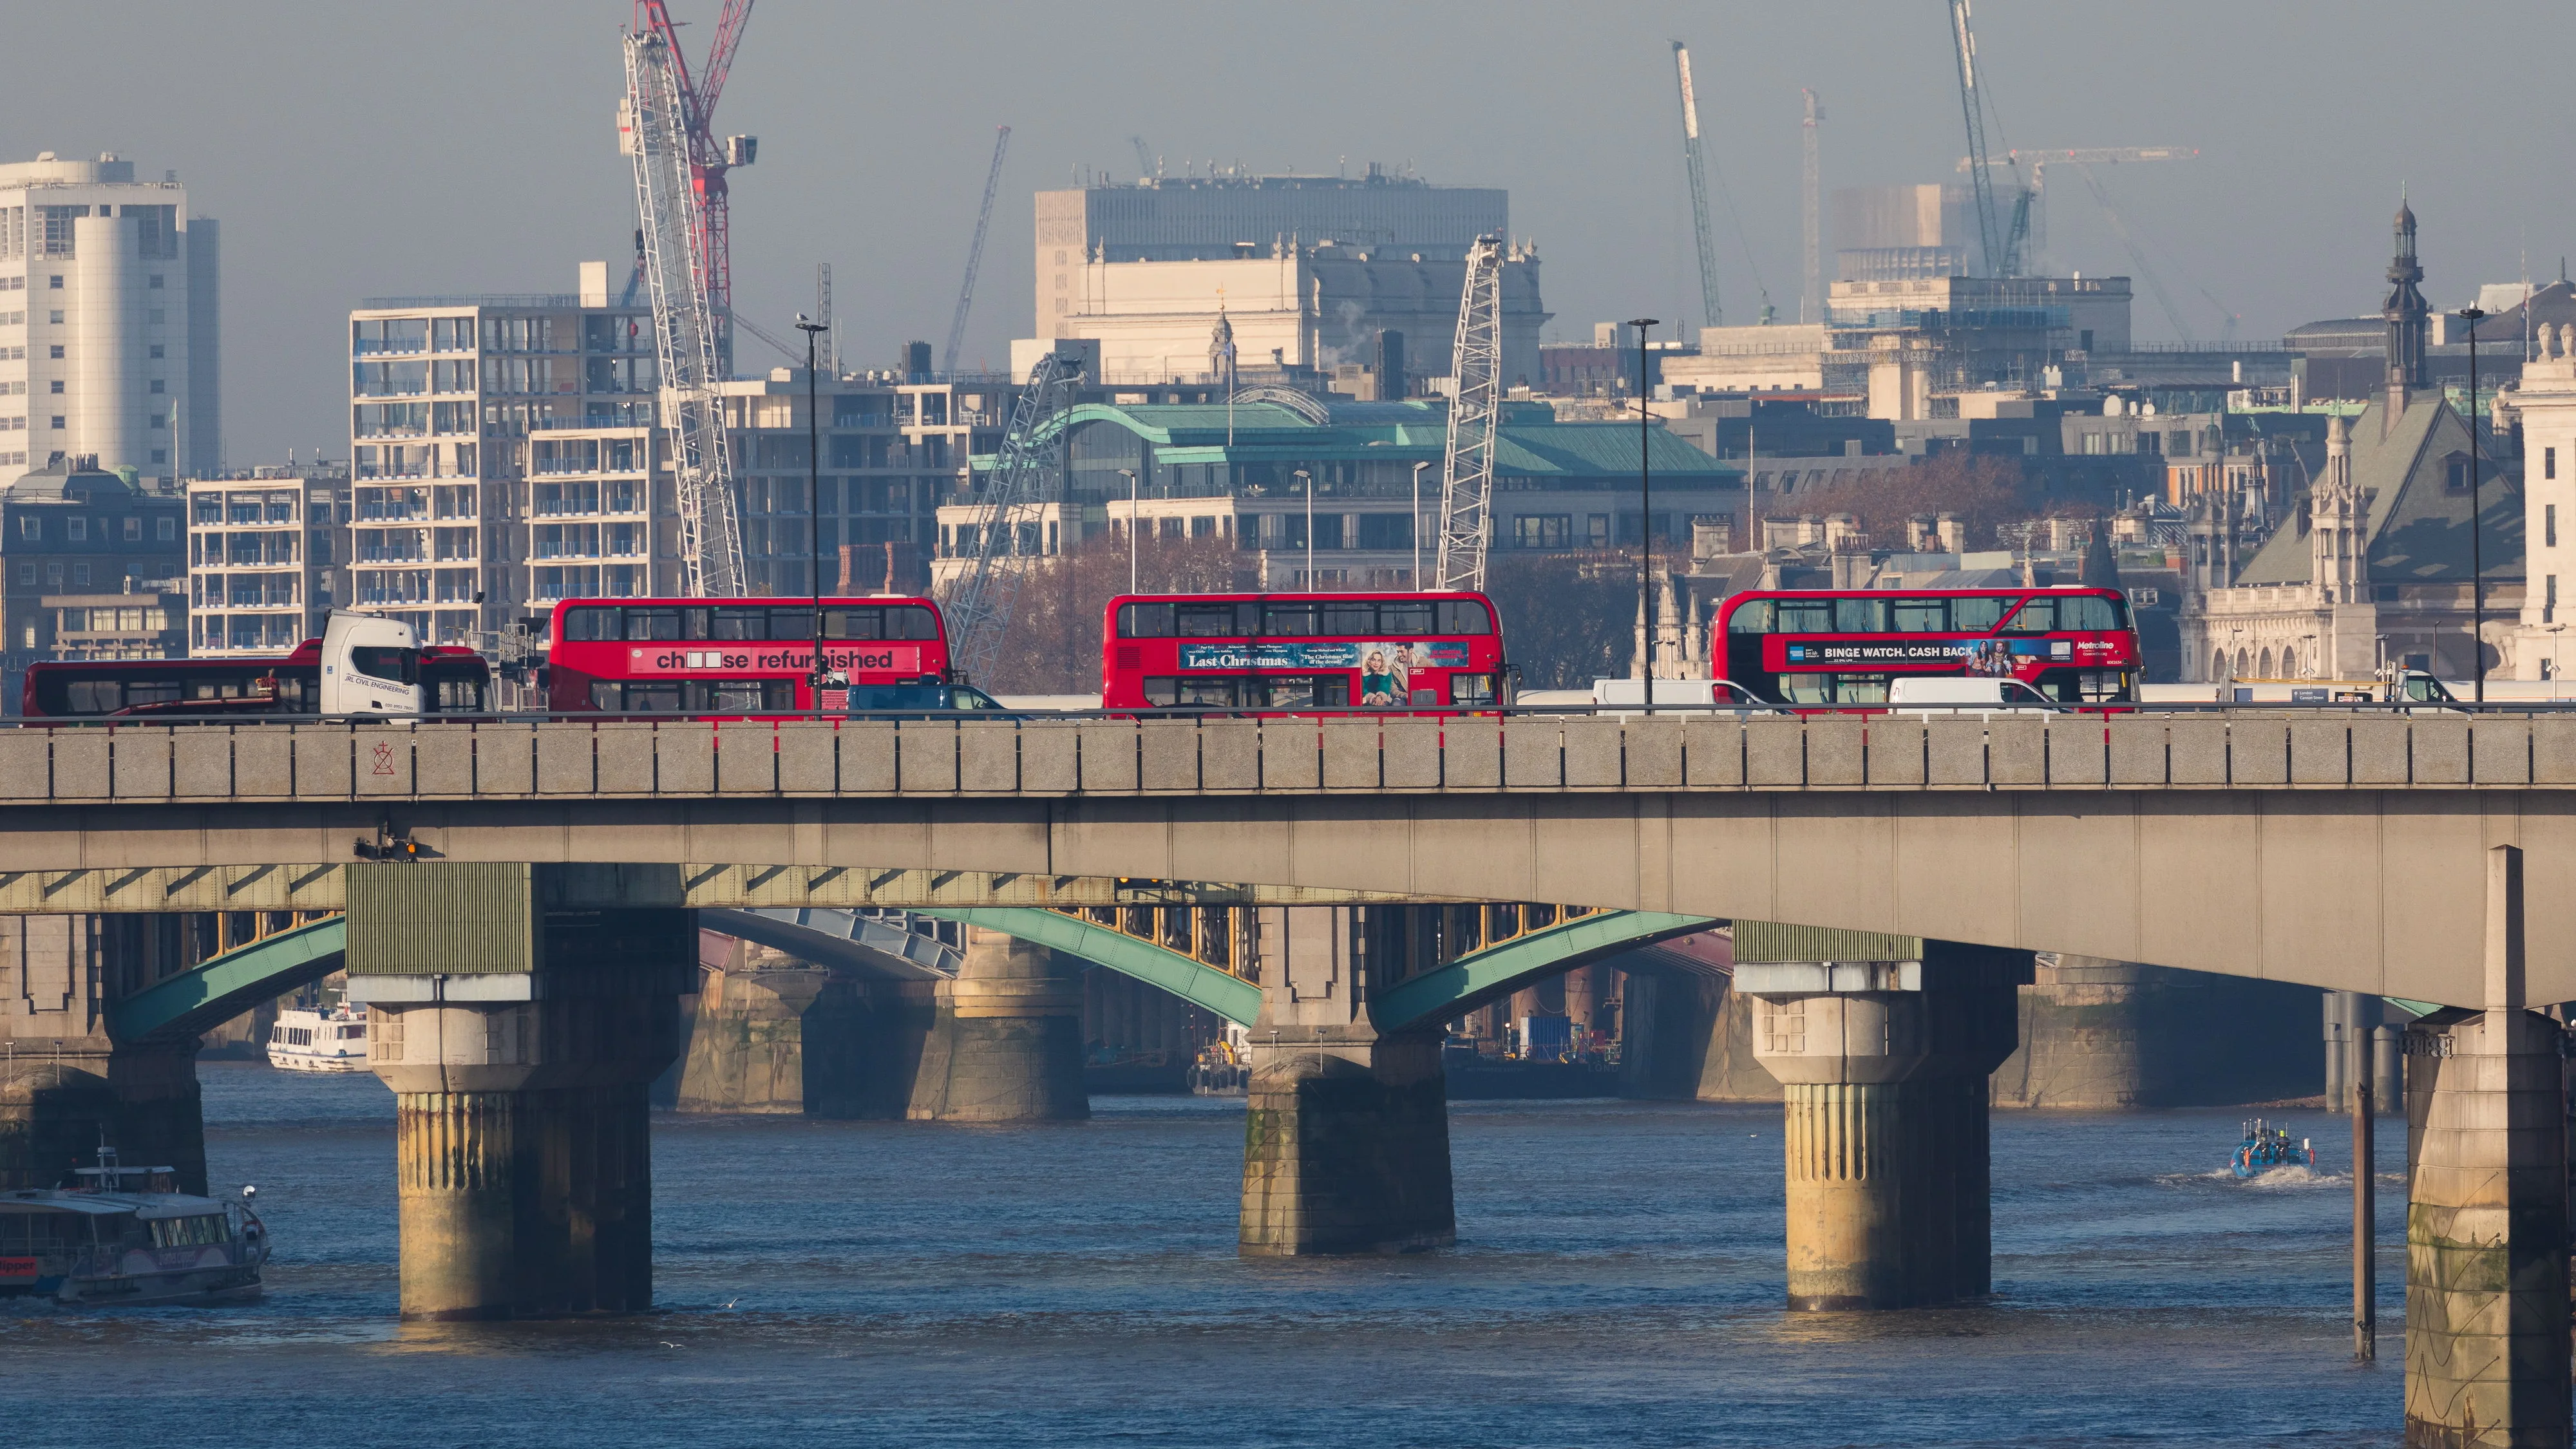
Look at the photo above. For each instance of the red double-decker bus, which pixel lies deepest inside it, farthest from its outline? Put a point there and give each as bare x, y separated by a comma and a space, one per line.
1289, 652
1841, 648
734, 656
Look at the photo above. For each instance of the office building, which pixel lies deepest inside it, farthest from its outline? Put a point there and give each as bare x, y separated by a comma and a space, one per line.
70, 532
108, 340
1302, 273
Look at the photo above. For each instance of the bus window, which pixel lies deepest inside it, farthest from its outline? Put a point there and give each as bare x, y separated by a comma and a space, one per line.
1208, 693
1348, 616
853, 623
653, 625
792, 623
1860, 689
2092, 612
1162, 691
1303, 691
1805, 616
1921, 616
741, 623
1145, 621
592, 624
1207, 621
911, 621
1404, 620
745, 694
1471, 689
1752, 618
1978, 615
1860, 616
1464, 616
2037, 616
1807, 688
458, 696
1288, 621
96, 696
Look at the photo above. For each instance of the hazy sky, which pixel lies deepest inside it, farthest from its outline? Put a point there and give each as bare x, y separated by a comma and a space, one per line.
369, 147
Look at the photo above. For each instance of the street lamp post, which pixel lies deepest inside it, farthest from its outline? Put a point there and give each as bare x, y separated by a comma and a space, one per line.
1130, 475
814, 491
1417, 525
2477, 516
1306, 481
1645, 510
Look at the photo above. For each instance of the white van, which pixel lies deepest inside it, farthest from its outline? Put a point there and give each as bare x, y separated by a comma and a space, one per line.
1699, 694
1955, 691
370, 665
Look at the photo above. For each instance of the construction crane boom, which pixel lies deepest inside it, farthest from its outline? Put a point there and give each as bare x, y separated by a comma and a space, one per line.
684, 316
1711, 312
1144, 158
1981, 186
1025, 477
975, 254
2028, 237
709, 161
1811, 295
1475, 408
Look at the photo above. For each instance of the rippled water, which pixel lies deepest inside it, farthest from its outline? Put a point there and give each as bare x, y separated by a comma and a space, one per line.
1617, 1282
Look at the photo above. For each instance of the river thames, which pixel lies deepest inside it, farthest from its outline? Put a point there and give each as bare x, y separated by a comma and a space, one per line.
1617, 1281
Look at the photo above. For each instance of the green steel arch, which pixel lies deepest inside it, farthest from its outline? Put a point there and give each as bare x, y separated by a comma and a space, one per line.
1453, 990
1229, 996
222, 987
1482, 977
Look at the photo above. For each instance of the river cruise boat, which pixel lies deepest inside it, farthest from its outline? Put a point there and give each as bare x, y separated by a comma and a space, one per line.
126, 1237
332, 1039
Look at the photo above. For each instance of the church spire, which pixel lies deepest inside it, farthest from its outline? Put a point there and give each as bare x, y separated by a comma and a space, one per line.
2406, 315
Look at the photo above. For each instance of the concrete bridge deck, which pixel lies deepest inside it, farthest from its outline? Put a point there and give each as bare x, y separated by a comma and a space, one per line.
2340, 850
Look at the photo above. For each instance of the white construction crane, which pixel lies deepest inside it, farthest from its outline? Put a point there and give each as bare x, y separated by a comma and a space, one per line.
975, 255
1712, 314
684, 324
1475, 407
1026, 475
2029, 237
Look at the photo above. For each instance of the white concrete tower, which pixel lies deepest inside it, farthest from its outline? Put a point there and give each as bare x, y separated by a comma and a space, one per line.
107, 321
2547, 399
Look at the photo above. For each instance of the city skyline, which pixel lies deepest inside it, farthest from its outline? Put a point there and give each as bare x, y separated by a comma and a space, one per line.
477, 167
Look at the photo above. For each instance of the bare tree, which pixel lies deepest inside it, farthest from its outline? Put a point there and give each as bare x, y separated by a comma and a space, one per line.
1053, 645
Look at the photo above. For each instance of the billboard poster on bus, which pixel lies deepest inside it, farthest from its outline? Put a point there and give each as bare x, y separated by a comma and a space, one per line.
1386, 667
1976, 655
668, 659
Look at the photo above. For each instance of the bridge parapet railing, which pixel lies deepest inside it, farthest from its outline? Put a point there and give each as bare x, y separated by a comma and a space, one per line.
568, 760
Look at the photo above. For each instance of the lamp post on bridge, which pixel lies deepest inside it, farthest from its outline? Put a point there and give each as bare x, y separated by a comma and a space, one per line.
1645, 512
814, 494
2477, 515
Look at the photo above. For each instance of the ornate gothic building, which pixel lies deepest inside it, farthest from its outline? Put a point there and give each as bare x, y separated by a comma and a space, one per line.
2375, 568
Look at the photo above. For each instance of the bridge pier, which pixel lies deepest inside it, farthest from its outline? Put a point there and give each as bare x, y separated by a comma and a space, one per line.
1883, 1052
1006, 1042
519, 1020
66, 1085
1346, 1130
2487, 1348
749, 1040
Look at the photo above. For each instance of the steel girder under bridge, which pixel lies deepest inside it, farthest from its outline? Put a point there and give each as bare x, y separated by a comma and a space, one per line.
1194, 952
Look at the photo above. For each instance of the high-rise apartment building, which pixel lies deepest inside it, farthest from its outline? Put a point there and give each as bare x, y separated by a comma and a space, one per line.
108, 321
447, 395
268, 557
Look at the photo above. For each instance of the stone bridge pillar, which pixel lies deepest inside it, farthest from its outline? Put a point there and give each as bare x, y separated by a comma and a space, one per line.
2486, 1213
1006, 1044
1882, 1048
1346, 1134
65, 1084
747, 1048
520, 1014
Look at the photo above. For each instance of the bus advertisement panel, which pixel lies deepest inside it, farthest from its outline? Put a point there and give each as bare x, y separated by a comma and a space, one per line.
734, 656
1286, 652
1841, 647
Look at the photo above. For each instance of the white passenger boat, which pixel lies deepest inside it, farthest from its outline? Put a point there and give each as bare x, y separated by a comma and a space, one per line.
333, 1039
125, 1237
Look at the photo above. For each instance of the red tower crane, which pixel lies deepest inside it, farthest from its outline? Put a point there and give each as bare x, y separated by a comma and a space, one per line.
709, 158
